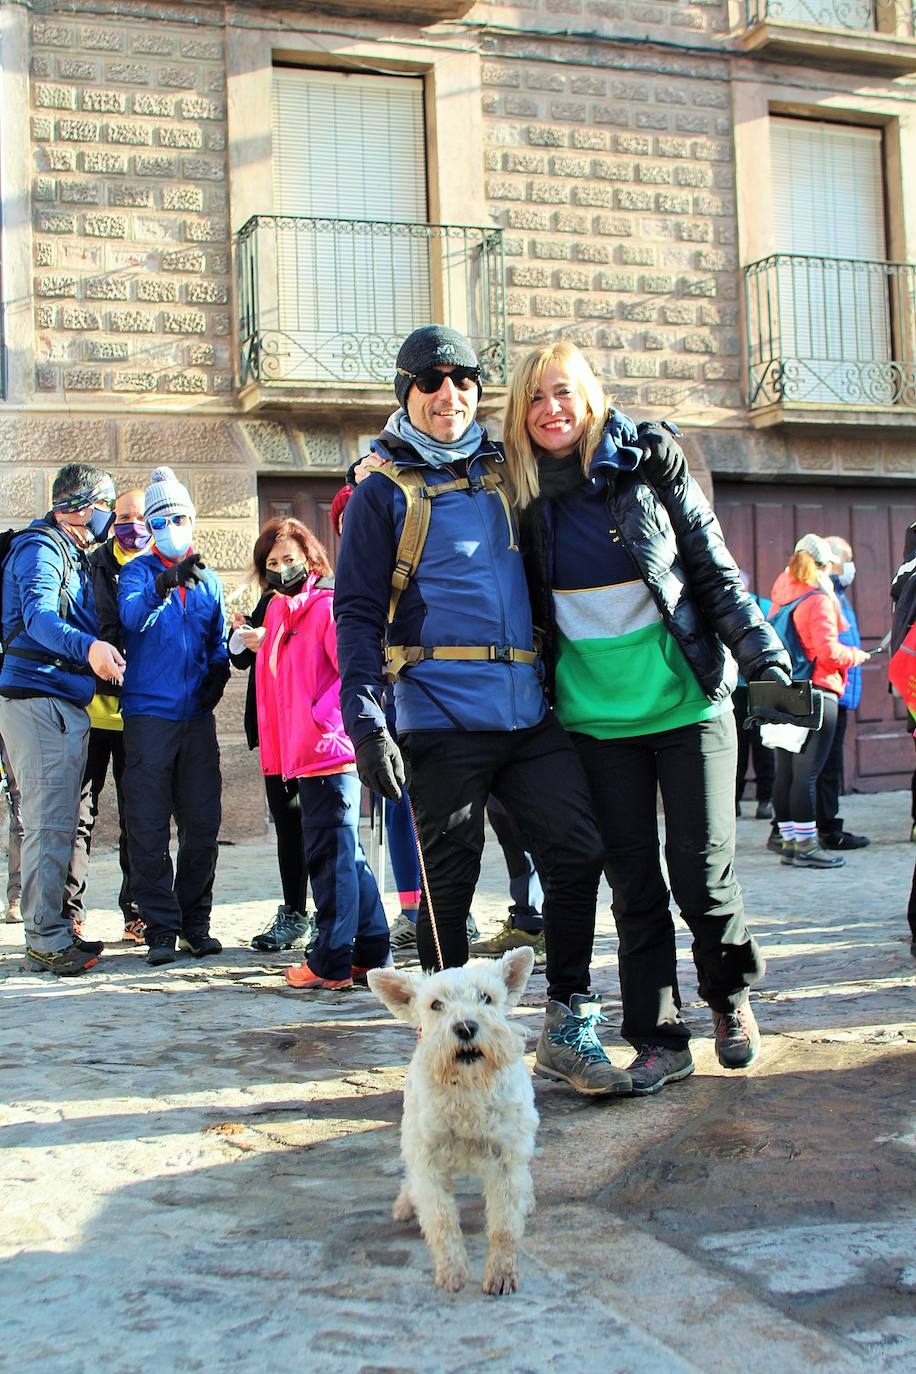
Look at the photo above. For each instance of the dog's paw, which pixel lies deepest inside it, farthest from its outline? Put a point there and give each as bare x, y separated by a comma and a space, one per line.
499, 1279
452, 1280
403, 1209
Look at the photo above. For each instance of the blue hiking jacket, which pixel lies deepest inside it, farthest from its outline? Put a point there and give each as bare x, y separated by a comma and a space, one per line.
852, 692
469, 589
170, 645
34, 573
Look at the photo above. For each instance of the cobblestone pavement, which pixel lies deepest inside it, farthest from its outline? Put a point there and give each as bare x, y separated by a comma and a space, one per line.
199, 1162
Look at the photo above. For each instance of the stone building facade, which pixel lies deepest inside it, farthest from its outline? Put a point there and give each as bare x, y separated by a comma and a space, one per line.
621, 147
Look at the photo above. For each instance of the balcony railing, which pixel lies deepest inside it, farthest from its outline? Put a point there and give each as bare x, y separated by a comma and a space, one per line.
329, 301
884, 16
838, 332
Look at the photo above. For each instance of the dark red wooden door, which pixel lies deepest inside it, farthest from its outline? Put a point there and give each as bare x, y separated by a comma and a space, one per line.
762, 521
302, 498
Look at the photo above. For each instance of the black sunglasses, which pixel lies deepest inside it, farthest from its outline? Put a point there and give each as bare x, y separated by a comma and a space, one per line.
430, 379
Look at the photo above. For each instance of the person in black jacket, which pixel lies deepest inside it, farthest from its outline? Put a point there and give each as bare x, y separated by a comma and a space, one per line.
291, 927
638, 603
106, 734
903, 593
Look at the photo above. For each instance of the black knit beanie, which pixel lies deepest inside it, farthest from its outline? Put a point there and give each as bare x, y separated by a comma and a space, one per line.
433, 345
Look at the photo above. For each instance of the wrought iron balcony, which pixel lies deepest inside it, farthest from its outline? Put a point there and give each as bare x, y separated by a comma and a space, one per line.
831, 333
326, 302
841, 33
884, 16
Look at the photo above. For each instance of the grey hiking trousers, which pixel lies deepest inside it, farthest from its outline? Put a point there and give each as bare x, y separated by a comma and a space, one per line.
46, 739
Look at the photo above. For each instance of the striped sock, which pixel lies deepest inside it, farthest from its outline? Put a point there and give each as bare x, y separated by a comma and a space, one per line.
786, 830
805, 832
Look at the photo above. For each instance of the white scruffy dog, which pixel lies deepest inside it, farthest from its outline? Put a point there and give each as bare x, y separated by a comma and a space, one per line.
468, 1107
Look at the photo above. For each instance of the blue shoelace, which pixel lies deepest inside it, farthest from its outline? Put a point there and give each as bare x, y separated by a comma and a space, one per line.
578, 1033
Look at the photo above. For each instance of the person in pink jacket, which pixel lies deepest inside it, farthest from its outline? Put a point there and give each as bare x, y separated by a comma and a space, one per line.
818, 621
301, 736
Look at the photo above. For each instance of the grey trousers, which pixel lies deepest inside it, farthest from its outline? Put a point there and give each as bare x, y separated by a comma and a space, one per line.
46, 738
14, 844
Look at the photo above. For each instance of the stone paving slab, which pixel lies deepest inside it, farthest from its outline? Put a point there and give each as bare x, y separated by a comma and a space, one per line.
198, 1162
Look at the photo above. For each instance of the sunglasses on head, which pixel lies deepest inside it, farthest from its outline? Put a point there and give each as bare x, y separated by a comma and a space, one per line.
430, 379
159, 522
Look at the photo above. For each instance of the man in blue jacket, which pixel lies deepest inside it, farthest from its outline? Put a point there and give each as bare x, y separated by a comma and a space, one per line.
51, 642
830, 830
472, 717
171, 609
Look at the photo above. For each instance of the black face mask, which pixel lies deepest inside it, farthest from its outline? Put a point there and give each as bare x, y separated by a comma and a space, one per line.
287, 579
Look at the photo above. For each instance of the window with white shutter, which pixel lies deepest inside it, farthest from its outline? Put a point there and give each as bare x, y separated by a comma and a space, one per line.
353, 258
833, 291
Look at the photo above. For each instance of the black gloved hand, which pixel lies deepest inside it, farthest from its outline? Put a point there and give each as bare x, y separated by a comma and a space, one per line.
214, 684
379, 764
187, 573
663, 458
773, 673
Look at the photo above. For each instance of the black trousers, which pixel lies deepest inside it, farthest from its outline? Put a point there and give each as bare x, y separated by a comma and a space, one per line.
283, 801
694, 766
538, 778
794, 794
105, 747
172, 769
750, 747
829, 787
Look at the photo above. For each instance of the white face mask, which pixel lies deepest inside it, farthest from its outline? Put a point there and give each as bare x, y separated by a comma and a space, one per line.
847, 576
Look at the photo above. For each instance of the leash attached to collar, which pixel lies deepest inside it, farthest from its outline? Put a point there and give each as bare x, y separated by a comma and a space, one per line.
424, 883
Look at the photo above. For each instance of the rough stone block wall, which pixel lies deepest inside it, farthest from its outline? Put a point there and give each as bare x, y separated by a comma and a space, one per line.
616, 190
129, 208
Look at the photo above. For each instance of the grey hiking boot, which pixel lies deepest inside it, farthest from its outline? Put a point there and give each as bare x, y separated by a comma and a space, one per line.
403, 936
570, 1050
737, 1037
656, 1065
808, 854
288, 930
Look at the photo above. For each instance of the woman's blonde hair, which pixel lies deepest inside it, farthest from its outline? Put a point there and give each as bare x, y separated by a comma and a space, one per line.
524, 381
803, 568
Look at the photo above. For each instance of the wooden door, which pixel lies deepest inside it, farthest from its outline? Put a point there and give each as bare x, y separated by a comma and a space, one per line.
302, 498
762, 521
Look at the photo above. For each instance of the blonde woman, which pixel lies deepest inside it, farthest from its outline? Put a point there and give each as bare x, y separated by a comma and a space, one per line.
638, 599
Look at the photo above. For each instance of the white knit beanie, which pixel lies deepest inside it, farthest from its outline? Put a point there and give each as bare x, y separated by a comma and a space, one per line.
817, 547
165, 495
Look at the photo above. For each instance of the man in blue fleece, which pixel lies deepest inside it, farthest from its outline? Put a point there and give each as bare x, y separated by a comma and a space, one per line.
472, 718
51, 643
171, 609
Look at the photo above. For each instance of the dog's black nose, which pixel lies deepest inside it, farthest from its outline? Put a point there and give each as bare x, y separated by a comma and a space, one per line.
465, 1030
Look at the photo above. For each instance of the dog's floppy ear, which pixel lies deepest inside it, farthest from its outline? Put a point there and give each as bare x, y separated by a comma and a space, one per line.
397, 990
515, 970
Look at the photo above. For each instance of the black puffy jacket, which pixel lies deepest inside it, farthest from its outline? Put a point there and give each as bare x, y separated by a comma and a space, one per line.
676, 542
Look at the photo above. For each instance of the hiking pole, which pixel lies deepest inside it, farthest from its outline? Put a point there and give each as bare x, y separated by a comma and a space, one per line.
424, 883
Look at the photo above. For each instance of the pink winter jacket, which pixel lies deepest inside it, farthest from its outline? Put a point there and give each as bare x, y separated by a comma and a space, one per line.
297, 687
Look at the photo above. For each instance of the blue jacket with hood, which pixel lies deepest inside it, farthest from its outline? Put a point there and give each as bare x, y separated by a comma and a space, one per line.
34, 572
170, 645
469, 589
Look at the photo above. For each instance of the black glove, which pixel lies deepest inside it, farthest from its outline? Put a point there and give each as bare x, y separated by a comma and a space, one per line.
773, 673
379, 764
187, 573
663, 458
214, 684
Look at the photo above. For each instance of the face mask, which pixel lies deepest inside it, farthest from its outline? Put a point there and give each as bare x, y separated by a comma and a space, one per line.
847, 576
175, 540
99, 523
132, 535
287, 579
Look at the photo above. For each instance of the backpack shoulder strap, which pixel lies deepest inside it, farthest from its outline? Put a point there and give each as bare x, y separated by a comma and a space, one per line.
411, 484
46, 533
